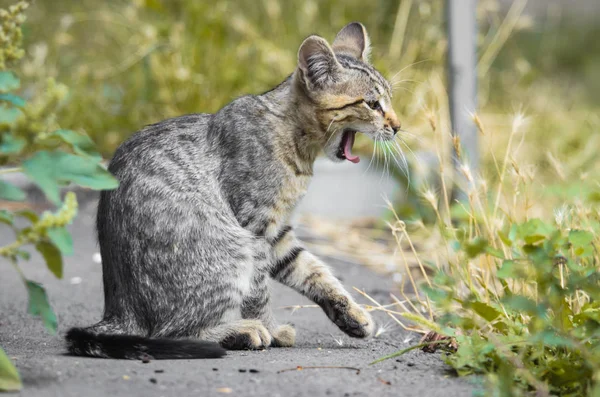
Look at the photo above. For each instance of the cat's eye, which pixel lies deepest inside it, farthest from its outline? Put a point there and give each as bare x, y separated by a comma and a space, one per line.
375, 105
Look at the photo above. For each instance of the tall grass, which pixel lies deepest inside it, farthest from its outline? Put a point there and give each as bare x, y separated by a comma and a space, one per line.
512, 288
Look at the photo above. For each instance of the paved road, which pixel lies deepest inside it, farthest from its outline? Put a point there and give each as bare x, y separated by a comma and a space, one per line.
77, 300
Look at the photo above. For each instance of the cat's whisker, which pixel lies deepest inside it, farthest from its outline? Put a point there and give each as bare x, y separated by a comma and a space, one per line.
406, 168
391, 157
331, 135
395, 83
408, 66
392, 147
394, 88
406, 132
385, 159
411, 151
372, 156
411, 136
385, 163
333, 131
376, 155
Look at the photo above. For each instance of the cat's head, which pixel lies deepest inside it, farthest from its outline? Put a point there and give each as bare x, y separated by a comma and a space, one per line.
347, 93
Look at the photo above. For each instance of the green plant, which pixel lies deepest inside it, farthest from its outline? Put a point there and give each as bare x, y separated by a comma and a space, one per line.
513, 289
32, 143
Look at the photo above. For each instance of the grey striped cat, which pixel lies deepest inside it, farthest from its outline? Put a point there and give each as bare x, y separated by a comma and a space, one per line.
200, 220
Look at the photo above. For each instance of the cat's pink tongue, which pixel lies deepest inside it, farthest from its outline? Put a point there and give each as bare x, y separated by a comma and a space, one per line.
348, 147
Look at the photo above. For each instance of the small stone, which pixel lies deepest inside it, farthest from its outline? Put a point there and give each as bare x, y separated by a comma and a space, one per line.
159, 371
254, 371
215, 369
242, 370
410, 364
153, 380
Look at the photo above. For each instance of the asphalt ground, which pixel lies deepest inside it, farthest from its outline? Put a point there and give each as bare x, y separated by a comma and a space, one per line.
77, 300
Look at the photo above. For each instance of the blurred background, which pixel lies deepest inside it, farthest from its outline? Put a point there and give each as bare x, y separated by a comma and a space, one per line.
132, 63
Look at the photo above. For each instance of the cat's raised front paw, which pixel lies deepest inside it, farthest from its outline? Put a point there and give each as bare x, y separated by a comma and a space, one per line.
356, 322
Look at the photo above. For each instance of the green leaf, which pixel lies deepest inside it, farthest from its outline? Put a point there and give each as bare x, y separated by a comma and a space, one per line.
504, 237
507, 270
580, 238
494, 252
11, 192
39, 306
520, 304
155, 5
534, 230
513, 232
6, 217
475, 247
9, 376
594, 197
14, 99
23, 254
9, 115
52, 257
8, 81
51, 169
485, 311
459, 213
29, 214
81, 143
437, 295
12, 144
534, 238
550, 338
62, 239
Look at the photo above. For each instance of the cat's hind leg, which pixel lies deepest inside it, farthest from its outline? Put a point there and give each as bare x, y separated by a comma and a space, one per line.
243, 334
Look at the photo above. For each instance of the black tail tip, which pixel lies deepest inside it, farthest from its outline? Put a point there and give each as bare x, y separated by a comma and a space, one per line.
81, 342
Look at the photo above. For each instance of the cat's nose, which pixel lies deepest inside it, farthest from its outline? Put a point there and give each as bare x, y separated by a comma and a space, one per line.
393, 122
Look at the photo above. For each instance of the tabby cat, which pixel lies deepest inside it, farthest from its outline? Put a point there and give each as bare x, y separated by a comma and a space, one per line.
200, 220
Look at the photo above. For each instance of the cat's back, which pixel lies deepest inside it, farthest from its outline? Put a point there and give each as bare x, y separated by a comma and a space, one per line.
164, 163
169, 144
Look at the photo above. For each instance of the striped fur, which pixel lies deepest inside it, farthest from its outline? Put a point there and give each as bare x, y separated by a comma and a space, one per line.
200, 221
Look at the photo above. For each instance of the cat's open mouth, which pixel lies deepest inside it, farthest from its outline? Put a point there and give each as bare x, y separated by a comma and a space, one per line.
345, 150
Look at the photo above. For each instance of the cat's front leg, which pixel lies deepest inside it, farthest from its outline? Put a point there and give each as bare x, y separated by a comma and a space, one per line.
295, 267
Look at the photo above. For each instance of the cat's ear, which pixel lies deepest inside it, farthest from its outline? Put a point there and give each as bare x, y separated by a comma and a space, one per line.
317, 62
353, 40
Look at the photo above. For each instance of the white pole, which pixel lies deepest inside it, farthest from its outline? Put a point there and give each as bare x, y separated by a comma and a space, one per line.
462, 79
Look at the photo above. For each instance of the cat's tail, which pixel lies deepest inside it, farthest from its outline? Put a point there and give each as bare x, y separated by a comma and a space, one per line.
85, 342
